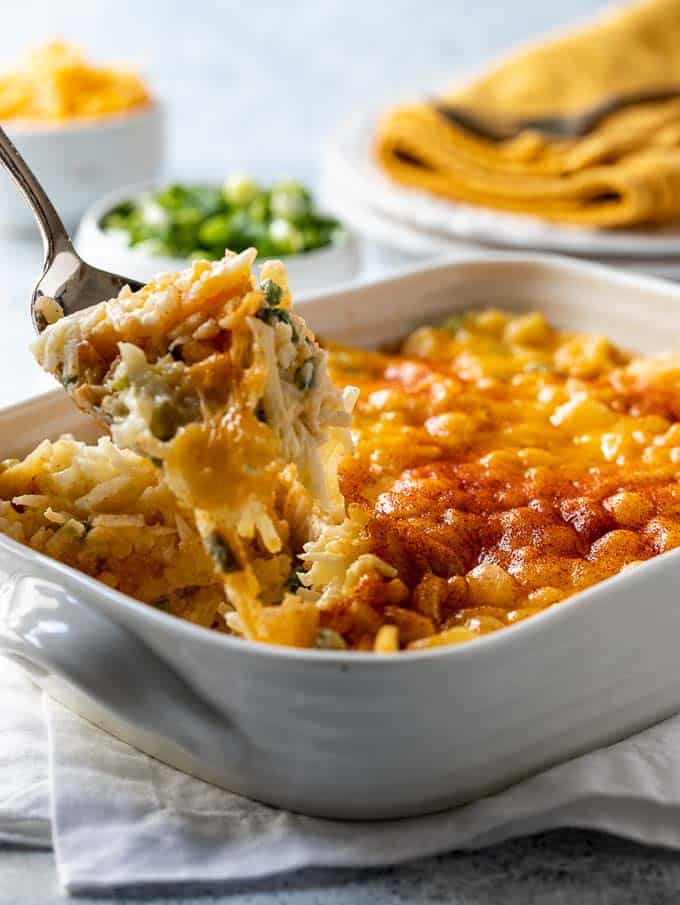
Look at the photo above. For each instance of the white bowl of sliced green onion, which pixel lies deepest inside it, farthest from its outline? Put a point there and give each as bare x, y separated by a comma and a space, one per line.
146, 229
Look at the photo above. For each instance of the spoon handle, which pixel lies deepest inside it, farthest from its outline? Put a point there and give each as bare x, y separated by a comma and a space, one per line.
54, 234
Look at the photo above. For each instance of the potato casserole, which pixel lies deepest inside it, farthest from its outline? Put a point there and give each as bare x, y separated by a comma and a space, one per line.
487, 468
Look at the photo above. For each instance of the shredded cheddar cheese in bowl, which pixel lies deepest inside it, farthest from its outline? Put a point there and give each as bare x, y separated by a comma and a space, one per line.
56, 83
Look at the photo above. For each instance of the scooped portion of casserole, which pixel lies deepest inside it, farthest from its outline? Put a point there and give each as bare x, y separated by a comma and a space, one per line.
210, 375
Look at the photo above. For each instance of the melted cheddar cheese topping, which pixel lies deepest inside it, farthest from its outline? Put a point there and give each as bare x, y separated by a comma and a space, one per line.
500, 467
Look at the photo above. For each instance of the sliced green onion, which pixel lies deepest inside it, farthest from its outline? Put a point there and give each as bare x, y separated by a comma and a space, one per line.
304, 376
273, 316
329, 639
239, 190
222, 553
191, 221
272, 293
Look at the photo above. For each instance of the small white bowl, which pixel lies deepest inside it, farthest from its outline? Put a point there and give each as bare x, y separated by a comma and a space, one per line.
311, 270
78, 161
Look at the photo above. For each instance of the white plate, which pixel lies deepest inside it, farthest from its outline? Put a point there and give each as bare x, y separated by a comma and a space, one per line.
349, 162
417, 243
352, 735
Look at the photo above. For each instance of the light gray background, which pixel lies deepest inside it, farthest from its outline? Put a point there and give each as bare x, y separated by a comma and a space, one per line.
259, 86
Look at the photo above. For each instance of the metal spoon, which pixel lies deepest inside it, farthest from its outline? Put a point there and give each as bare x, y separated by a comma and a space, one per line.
65, 276
574, 125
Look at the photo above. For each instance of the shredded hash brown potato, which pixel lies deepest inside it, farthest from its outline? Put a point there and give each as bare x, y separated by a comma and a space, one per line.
210, 375
499, 466
108, 513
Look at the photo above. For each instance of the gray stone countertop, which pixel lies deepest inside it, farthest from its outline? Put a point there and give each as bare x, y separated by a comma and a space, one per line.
569, 867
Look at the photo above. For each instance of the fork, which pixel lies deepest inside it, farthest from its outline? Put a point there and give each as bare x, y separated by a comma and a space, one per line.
65, 277
573, 125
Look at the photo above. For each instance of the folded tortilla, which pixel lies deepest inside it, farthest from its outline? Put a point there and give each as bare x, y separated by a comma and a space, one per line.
625, 172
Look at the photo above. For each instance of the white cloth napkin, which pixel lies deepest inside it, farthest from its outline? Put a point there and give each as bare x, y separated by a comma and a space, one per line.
123, 819
24, 787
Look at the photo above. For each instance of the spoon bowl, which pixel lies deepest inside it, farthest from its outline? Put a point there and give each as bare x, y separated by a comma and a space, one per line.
66, 278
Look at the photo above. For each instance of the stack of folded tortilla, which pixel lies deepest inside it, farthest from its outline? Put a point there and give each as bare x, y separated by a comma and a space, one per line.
625, 172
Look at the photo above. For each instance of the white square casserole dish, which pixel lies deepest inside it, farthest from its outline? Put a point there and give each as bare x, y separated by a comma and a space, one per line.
352, 735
